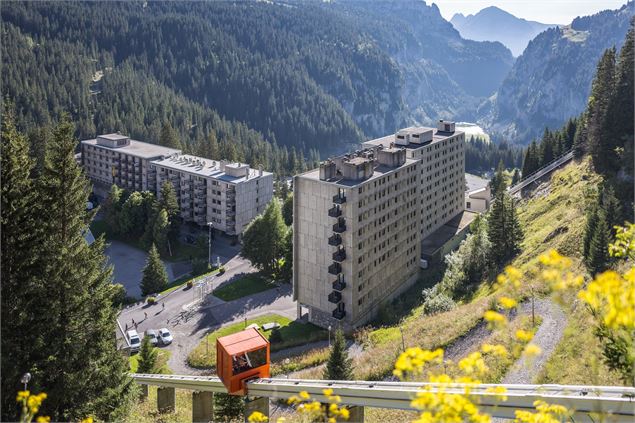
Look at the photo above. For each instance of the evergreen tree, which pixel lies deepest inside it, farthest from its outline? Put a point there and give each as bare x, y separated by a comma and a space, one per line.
598, 259
21, 287
515, 177
160, 228
601, 92
147, 359
498, 183
611, 205
169, 137
155, 278
503, 229
514, 233
339, 366
228, 407
132, 217
286, 272
287, 209
264, 239
589, 229
112, 209
580, 138
530, 163
78, 299
170, 204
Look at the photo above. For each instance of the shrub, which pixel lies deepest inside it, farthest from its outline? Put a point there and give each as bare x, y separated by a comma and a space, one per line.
221, 270
276, 336
151, 300
190, 283
438, 304
199, 266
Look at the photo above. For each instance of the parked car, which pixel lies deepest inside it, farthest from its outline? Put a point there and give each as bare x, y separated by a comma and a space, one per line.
154, 337
165, 337
135, 341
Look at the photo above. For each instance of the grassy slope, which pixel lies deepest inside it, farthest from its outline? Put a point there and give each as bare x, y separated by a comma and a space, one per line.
247, 285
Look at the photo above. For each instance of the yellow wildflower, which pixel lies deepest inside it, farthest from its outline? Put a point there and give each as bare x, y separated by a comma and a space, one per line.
507, 302
473, 363
43, 419
413, 359
524, 335
498, 350
494, 318
256, 416
304, 395
22, 395
532, 350
499, 391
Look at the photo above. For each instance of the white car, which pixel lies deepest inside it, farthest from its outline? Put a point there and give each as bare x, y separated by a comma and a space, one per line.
165, 337
154, 337
135, 341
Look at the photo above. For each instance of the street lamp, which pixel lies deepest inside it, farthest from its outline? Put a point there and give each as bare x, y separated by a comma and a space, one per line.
210, 225
329, 336
25, 379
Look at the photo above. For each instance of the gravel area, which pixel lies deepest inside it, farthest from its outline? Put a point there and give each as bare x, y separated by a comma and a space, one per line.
547, 338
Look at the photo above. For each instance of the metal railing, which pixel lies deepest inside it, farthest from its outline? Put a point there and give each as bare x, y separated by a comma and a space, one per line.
616, 402
526, 180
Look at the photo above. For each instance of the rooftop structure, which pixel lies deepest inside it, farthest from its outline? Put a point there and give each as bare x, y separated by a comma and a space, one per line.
220, 170
124, 145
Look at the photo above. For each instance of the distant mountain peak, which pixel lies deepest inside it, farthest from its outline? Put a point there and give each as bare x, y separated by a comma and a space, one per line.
495, 24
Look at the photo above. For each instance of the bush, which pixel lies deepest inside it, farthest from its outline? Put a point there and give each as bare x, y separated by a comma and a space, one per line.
190, 283
438, 304
221, 270
151, 300
276, 336
199, 266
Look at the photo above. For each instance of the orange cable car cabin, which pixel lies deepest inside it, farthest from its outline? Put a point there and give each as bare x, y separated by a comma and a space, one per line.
240, 357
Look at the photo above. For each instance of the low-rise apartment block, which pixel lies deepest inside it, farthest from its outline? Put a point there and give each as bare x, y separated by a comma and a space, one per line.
229, 195
441, 152
117, 159
357, 234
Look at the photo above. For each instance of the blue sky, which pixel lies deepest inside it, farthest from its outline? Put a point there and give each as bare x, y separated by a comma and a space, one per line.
546, 11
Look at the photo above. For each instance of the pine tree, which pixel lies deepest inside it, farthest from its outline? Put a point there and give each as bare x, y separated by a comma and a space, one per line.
160, 228
169, 137
496, 229
498, 183
599, 259
513, 231
515, 177
589, 229
170, 204
21, 286
112, 209
79, 380
155, 278
611, 205
339, 366
580, 138
228, 407
287, 209
602, 90
147, 359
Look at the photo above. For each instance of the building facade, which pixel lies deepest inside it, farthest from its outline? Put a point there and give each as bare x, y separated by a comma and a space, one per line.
441, 152
478, 193
116, 159
229, 195
356, 234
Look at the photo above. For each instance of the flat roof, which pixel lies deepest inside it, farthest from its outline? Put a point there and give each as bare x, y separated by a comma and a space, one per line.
436, 137
378, 172
136, 148
475, 183
437, 239
113, 137
205, 167
243, 341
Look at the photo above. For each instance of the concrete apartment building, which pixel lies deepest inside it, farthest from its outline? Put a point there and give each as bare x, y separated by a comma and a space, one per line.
117, 159
356, 234
229, 195
441, 152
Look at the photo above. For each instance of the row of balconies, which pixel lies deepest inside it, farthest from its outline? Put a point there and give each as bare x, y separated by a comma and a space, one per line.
338, 256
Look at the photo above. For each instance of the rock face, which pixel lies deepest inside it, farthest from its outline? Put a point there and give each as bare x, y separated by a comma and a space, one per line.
550, 82
494, 24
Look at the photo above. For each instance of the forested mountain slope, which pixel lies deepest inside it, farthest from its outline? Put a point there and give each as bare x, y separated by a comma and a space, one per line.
261, 76
550, 82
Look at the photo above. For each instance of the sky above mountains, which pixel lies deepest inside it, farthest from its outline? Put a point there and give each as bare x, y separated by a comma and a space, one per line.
545, 11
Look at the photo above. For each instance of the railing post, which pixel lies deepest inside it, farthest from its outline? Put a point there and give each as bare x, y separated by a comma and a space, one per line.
202, 407
166, 400
356, 414
260, 404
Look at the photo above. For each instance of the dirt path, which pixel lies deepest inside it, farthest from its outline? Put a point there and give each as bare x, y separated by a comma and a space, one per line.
547, 338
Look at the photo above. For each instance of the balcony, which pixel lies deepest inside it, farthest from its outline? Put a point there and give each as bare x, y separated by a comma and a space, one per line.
339, 314
339, 284
335, 240
335, 297
339, 227
339, 199
335, 211
339, 255
230, 212
335, 268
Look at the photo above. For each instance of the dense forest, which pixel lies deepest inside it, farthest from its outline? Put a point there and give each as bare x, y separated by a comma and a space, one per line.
267, 81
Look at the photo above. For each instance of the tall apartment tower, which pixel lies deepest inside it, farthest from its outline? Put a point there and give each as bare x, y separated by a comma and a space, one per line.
229, 195
441, 152
117, 159
357, 234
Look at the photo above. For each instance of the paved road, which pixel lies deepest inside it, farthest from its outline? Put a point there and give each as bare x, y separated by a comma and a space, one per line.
189, 319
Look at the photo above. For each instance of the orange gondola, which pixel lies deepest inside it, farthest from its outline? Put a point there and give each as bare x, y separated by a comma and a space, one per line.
240, 357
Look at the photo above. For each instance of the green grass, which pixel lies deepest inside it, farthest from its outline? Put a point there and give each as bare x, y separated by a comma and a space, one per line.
162, 362
293, 333
247, 285
178, 283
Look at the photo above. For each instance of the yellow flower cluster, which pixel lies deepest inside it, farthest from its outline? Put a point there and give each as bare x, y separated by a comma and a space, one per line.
497, 350
473, 364
523, 335
507, 302
31, 405
494, 319
257, 417
545, 413
315, 410
612, 296
413, 360
510, 276
438, 405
